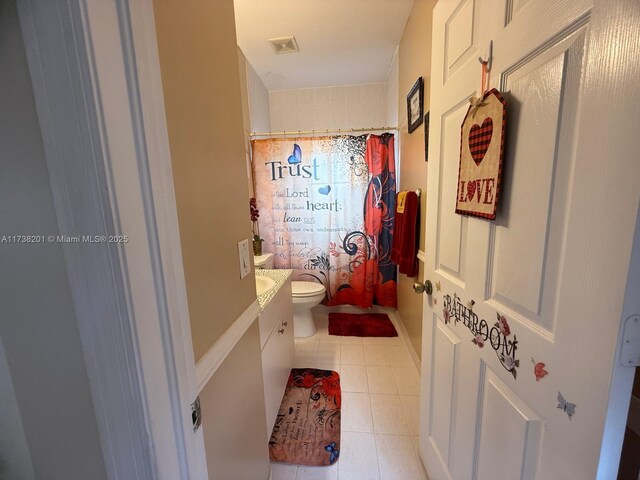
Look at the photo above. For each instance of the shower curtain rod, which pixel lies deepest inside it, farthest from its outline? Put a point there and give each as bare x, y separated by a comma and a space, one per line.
313, 132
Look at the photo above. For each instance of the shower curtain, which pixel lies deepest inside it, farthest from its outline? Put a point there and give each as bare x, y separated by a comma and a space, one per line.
327, 208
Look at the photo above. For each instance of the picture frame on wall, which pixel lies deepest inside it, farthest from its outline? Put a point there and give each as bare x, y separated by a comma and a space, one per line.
426, 137
415, 105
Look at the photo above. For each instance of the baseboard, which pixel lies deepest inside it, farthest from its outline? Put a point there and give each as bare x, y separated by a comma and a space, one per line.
405, 335
213, 358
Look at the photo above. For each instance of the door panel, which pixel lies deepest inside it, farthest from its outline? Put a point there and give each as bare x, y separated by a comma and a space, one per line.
521, 236
509, 432
513, 7
458, 42
450, 252
527, 239
443, 362
538, 264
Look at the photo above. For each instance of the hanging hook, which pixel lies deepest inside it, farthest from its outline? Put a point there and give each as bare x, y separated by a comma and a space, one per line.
489, 58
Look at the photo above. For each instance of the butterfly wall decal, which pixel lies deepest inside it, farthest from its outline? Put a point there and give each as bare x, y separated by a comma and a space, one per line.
296, 156
538, 370
331, 448
567, 407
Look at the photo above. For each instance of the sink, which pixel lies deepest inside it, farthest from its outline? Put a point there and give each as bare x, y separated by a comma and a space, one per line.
264, 284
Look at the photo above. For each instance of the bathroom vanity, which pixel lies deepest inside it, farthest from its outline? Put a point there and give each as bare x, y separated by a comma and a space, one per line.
276, 338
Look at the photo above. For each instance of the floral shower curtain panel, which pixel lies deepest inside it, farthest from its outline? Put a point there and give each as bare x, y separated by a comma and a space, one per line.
327, 209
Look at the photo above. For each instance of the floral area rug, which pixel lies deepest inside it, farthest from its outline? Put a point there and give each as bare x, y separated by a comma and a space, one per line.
307, 428
361, 325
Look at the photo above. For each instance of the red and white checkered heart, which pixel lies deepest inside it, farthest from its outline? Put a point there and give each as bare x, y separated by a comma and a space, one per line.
471, 189
480, 139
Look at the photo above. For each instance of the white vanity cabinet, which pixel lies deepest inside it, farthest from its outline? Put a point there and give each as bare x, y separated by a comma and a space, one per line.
276, 339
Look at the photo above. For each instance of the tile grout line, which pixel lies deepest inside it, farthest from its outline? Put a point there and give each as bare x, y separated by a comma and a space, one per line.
375, 439
373, 426
406, 419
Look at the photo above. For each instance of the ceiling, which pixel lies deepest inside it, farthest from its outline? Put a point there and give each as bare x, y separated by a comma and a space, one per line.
342, 42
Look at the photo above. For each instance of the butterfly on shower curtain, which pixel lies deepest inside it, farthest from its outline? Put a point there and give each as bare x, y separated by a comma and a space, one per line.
296, 156
331, 448
567, 407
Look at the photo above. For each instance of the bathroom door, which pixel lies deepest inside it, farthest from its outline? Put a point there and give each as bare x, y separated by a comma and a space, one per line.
555, 261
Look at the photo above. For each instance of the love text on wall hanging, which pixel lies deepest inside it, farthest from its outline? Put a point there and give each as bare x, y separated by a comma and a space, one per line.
496, 335
481, 152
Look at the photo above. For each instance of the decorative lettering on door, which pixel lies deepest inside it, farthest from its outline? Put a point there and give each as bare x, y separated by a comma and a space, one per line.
497, 335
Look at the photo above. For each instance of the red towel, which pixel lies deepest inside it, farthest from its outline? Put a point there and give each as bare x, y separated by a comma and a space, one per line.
406, 235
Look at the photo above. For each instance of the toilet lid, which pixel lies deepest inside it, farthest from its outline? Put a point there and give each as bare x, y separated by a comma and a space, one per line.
306, 289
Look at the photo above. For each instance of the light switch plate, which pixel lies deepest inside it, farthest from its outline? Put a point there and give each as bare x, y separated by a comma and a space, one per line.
243, 257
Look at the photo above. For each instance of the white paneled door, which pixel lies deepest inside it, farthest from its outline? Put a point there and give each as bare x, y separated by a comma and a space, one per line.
554, 264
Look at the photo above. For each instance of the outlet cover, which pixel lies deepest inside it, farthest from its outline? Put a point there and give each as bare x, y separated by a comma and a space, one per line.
243, 257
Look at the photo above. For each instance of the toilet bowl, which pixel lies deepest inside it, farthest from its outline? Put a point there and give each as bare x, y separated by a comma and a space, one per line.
306, 295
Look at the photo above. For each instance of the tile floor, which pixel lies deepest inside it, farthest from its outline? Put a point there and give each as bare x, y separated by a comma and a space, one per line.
380, 387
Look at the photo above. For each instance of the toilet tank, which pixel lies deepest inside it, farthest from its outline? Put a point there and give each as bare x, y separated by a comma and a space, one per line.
264, 261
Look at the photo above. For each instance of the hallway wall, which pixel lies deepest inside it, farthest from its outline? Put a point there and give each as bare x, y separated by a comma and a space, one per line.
201, 82
414, 60
206, 118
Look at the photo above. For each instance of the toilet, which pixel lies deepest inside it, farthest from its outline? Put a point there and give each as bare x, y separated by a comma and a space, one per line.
264, 261
306, 295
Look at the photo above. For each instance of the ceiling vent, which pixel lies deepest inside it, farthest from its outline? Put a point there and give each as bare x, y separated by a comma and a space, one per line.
284, 45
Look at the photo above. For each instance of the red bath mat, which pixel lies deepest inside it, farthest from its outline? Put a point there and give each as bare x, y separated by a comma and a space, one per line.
361, 325
307, 428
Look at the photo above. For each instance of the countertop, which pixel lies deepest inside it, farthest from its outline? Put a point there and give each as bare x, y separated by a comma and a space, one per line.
278, 276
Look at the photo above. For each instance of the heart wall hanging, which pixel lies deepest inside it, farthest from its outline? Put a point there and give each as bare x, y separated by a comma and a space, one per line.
481, 154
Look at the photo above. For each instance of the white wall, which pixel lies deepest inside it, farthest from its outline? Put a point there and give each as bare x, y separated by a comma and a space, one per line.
391, 91
350, 106
259, 114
